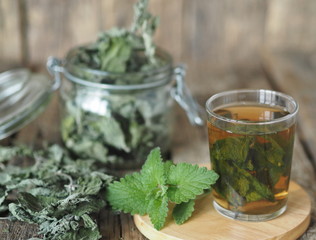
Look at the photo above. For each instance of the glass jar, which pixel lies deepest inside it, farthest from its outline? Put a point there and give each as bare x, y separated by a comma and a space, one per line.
118, 124
23, 96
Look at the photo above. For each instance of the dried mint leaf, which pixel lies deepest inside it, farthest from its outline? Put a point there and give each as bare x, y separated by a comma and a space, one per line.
58, 193
117, 129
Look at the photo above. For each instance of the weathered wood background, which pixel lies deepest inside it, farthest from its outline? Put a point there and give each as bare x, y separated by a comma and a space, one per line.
206, 34
226, 44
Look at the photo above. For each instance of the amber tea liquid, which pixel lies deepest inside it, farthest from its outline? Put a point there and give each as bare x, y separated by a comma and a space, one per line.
253, 161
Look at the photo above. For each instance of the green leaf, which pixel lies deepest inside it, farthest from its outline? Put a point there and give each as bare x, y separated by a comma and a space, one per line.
112, 133
89, 185
7, 153
253, 196
187, 181
153, 175
67, 123
117, 53
137, 132
158, 211
150, 190
19, 213
51, 200
87, 233
240, 183
243, 186
88, 222
260, 188
26, 183
167, 166
275, 174
4, 178
128, 195
183, 211
29, 201
232, 196
269, 160
146, 24
232, 148
271, 151
93, 206
3, 195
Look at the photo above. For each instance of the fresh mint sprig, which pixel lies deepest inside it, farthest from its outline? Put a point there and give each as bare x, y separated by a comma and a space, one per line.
157, 184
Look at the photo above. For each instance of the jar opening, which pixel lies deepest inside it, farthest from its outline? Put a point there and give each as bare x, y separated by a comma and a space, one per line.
119, 81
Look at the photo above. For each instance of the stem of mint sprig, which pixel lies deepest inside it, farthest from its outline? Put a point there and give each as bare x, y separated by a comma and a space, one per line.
158, 183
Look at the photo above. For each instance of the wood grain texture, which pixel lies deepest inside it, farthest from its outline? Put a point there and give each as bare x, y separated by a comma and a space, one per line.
206, 223
16, 230
220, 40
290, 25
56, 26
10, 38
118, 226
220, 35
294, 74
169, 34
44, 129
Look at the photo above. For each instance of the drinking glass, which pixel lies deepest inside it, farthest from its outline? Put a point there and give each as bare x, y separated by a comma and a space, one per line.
251, 137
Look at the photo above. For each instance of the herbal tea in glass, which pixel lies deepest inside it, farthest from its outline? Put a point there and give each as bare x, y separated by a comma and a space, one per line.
251, 136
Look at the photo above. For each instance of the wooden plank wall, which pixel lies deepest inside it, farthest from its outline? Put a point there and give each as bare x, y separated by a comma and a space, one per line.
291, 25
216, 39
208, 35
10, 35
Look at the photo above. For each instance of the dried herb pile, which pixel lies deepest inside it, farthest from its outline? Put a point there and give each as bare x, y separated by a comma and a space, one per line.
63, 195
121, 50
56, 192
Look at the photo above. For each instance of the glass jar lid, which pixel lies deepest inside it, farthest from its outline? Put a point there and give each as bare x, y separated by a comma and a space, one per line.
23, 96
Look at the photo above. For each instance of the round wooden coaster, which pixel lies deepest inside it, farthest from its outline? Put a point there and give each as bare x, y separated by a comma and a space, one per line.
206, 223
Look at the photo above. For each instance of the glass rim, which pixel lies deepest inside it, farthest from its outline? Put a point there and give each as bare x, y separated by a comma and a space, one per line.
242, 122
163, 54
166, 69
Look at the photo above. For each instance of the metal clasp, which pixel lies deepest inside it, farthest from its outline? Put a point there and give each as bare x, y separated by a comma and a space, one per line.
184, 98
54, 68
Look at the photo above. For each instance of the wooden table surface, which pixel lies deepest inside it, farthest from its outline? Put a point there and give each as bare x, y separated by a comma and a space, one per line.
291, 73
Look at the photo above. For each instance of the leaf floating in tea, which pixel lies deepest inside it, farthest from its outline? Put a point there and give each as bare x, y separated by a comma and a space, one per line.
235, 149
252, 167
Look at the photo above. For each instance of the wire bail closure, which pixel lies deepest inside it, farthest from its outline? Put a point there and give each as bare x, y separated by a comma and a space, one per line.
180, 92
54, 68
184, 98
